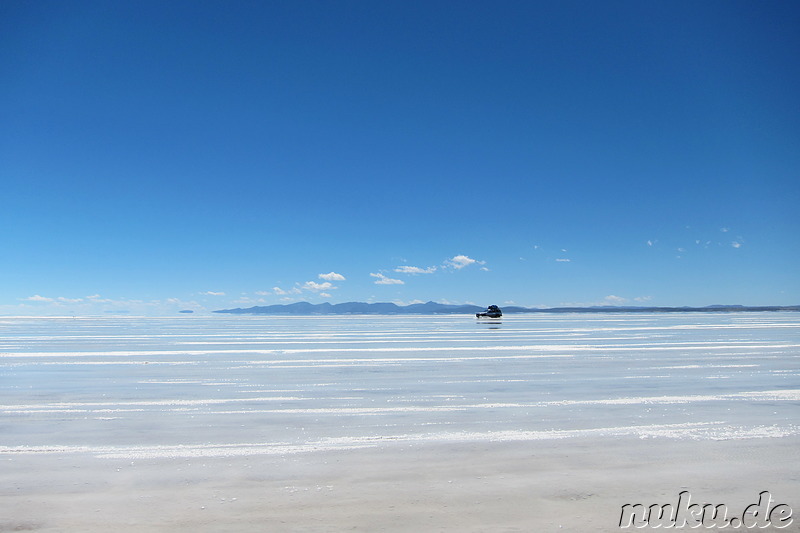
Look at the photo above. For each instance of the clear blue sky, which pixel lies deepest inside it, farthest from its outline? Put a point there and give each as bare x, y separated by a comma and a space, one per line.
157, 156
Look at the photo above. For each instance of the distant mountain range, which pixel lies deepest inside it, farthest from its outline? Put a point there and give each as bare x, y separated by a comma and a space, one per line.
433, 308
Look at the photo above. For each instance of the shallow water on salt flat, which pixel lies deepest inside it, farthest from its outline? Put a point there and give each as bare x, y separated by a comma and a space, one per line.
224, 385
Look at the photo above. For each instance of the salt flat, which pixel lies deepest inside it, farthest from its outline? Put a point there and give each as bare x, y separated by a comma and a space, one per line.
403, 423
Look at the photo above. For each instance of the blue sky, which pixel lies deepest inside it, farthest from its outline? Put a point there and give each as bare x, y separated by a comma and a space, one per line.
157, 156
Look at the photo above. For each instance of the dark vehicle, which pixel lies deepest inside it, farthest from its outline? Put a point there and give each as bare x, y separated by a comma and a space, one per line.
491, 312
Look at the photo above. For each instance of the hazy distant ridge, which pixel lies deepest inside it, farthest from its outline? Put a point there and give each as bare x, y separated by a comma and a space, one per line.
433, 308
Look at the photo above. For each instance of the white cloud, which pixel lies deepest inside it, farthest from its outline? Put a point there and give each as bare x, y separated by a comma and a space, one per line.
332, 276
37, 298
58, 301
460, 261
615, 300
383, 280
95, 304
61, 299
325, 295
246, 300
736, 244
212, 293
316, 287
415, 270
281, 292
563, 260
650, 243
724, 230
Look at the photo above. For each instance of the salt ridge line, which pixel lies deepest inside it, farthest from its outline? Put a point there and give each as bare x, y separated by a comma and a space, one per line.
460, 338
459, 332
286, 363
329, 363
229, 329
294, 363
543, 347
86, 363
692, 367
791, 395
231, 332
377, 341
293, 340
413, 335
696, 431
242, 337
335, 362
205, 401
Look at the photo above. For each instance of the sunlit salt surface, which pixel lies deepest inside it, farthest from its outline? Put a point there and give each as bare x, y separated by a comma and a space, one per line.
225, 386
